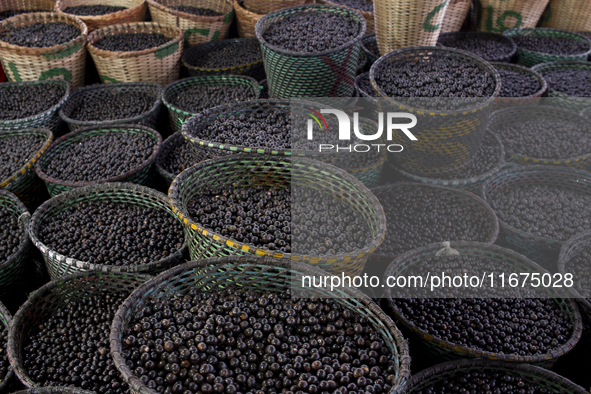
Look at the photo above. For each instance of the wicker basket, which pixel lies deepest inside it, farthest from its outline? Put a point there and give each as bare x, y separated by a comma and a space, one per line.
568, 15
530, 58
160, 65
28, 5
259, 274
266, 6
135, 12
66, 61
531, 374
179, 116
24, 183
542, 250
496, 16
571, 103
54, 390
532, 99
59, 265
367, 15
141, 175
456, 13
245, 20
329, 73
45, 301
12, 271
5, 319
79, 96
447, 40
247, 170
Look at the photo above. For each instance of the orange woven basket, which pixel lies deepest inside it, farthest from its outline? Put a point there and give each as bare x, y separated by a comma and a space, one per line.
135, 12
245, 20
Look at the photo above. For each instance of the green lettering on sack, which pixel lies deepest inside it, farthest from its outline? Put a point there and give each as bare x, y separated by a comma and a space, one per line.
56, 72
16, 77
63, 54
509, 13
216, 36
167, 50
229, 16
106, 79
427, 26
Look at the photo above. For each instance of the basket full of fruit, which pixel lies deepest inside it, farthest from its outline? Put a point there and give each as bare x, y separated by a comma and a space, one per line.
98, 13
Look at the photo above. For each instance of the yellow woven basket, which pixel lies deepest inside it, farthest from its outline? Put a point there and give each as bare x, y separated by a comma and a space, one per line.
135, 12
568, 15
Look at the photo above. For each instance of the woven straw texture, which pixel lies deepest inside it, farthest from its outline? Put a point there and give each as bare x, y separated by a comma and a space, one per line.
179, 116
28, 5
575, 104
245, 20
266, 6
45, 301
442, 350
533, 99
59, 265
447, 40
248, 171
371, 57
141, 175
54, 390
542, 250
12, 271
531, 374
159, 65
325, 74
407, 23
24, 182
196, 29
5, 319
66, 61
568, 15
135, 12
367, 15
529, 58
259, 274
496, 16
80, 95
456, 13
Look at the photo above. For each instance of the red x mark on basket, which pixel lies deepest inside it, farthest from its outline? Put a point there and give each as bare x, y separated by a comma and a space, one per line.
336, 68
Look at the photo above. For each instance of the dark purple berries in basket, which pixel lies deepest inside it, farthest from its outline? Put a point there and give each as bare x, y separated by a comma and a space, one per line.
22, 101
517, 83
242, 341
103, 106
365, 86
570, 82
488, 47
580, 267
40, 34
198, 98
180, 157
130, 42
551, 45
372, 46
311, 32
4, 364
93, 10
71, 347
361, 5
15, 151
11, 235
196, 10
232, 54
113, 234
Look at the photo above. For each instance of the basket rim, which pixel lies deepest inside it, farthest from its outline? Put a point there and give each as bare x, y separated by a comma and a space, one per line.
80, 195
20, 318
466, 350
41, 164
81, 91
362, 12
525, 170
5, 313
139, 27
486, 100
362, 92
565, 256
556, 65
312, 8
483, 34
517, 31
525, 70
167, 145
26, 217
98, 18
30, 161
34, 17
118, 320
366, 38
186, 15
240, 4
185, 218
226, 42
32, 118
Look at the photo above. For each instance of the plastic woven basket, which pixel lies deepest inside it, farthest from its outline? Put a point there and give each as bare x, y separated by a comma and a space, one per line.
447, 40
5, 319
48, 119
532, 99
59, 265
248, 171
79, 96
569, 102
542, 250
24, 182
443, 350
456, 13
45, 301
142, 174
245, 20
66, 61
159, 65
135, 12
255, 273
529, 58
329, 73
496, 16
179, 116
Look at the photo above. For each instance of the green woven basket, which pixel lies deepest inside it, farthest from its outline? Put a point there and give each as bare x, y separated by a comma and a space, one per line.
141, 175
129, 193
325, 74
179, 116
25, 183
571, 103
5, 319
259, 274
530, 58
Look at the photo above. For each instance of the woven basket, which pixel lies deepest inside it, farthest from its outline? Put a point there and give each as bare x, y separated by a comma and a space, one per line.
141, 175
179, 116
447, 40
28, 5
531, 374
24, 183
371, 56
571, 103
533, 99
568, 15
542, 250
79, 96
135, 12
529, 58
456, 13
496, 16
247, 170
516, 114
264, 89
45, 301
160, 65
266, 6
54, 390
59, 265
324, 74
443, 350
245, 20
367, 15
259, 274
66, 61
12, 271
5, 319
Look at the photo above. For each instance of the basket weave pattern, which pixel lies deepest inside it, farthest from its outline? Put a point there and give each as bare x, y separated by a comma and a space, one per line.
245, 20
496, 16
135, 12
568, 15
